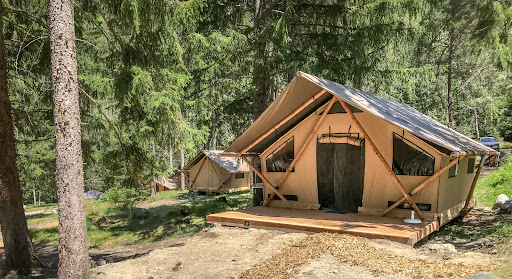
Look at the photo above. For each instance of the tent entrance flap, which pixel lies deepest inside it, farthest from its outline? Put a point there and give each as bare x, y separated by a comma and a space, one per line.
340, 175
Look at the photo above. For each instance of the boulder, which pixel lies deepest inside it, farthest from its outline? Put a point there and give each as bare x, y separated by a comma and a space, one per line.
446, 251
503, 203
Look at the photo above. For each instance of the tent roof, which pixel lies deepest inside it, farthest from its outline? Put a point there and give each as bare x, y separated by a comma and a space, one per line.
231, 164
304, 86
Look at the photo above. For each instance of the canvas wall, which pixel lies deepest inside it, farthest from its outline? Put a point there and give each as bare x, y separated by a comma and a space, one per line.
379, 187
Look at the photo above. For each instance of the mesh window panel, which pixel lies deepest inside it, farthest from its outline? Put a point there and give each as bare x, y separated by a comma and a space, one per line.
409, 159
239, 175
281, 158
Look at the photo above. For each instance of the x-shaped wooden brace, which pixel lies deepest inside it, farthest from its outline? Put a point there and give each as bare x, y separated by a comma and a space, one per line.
297, 157
407, 196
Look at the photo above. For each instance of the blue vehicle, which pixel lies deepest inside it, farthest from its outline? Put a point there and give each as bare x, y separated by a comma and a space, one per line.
490, 142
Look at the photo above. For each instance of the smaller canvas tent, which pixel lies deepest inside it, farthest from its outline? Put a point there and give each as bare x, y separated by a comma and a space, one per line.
211, 173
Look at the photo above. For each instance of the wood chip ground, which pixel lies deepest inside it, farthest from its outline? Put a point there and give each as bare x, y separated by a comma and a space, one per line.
355, 251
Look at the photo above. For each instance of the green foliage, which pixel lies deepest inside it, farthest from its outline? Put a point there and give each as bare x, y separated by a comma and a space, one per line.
489, 188
122, 197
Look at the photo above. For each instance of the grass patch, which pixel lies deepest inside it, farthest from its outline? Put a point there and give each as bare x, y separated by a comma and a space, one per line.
46, 207
114, 226
499, 182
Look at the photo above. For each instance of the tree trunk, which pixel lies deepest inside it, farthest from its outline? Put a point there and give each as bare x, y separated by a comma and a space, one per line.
182, 165
18, 248
170, 157
262, 95
477, 128
39, 197
73, 249
153, 179
450, 66
213, 136
34, 194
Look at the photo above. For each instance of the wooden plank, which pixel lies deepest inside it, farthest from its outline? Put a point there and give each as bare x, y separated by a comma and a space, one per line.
218, 175
295, 112
382, 160
268, 182
313, 221
422, 185
299, 154
464, 211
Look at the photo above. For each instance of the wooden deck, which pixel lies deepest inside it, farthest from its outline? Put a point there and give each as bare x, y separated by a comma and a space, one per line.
313, 221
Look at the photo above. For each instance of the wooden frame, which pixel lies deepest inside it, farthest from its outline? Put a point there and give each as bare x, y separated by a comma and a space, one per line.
295, 112
198, 171
299, 154
423, 184
267, 182
217, 173
465, 210
382, 160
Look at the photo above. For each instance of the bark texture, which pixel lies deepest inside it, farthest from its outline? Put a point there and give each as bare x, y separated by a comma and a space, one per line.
19, 251
73, 250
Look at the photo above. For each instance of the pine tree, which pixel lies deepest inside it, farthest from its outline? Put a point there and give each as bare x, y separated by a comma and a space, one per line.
19, 251
73, 247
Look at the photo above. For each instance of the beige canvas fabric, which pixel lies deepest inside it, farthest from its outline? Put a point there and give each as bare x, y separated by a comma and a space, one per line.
305, 86
379, 188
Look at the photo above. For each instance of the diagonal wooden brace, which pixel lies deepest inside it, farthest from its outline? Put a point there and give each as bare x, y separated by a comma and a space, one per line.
198, 171
218, 175
383, 161
423, 184
268, 182
299, 154
295, 112
465, 210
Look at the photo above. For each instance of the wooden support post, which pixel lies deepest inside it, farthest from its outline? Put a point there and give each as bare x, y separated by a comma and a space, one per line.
295, 112
465, 210
218, 175
422, 185
382, 160
268, 182
299, 154
198, 171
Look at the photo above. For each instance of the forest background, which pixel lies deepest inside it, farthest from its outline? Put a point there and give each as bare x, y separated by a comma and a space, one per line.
159, 78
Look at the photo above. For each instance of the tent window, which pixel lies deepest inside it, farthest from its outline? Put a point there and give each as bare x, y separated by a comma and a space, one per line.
452, 172
281, 158
410, 159
471, 165
239, 175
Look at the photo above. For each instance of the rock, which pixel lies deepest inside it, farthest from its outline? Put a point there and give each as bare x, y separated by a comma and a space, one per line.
446, 251
484, 275
503, 203
222, 199
92, 195
101, 262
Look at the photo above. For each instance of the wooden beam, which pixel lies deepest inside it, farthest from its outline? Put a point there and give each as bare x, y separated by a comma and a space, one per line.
218, 175
464, 211
295, 112
299, 154
198, 171
382, 160
422, 185
267, 182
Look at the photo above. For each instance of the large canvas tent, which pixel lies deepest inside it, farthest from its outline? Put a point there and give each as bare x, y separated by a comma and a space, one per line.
210, 173
326, 145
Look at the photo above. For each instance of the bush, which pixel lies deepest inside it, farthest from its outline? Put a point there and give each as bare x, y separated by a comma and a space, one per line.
123, 198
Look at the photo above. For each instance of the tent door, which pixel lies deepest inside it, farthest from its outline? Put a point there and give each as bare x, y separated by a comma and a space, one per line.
340, 176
